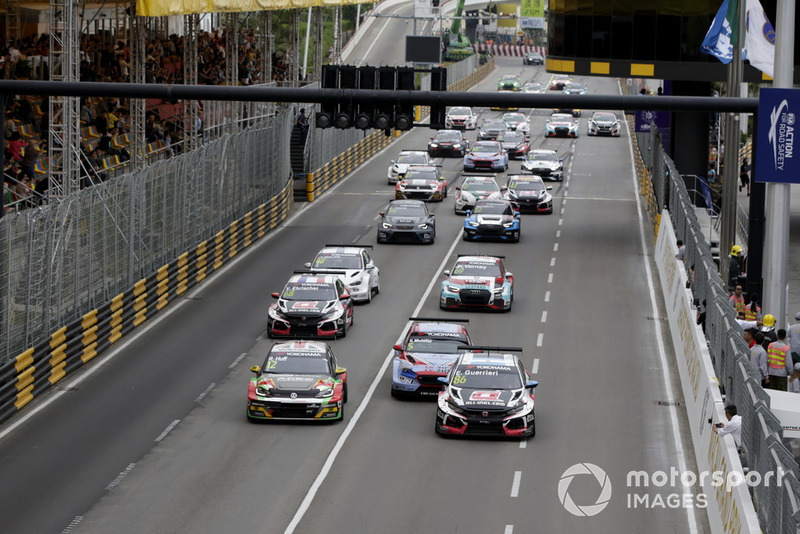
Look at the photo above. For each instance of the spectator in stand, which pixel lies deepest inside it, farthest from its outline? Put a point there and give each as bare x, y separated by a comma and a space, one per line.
10, 125
29, 159
87, 113
101, 121
15, 146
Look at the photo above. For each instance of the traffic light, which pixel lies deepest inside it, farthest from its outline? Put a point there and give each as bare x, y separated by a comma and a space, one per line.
327, 110
348, 79
384, 113
404, 113
439, 111
367, 79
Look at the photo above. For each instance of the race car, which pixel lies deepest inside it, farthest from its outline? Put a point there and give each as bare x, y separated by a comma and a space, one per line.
532, 58
491, 128
427, 353
515, 143
448, 143
406, 220
545, 163
517, 122
486, 155
311, 305
354, 266
532, 87
474, 188
488, 391
575, 88
508, 82
299, 380
604, 123
461, 118
492, 220
529, 193
422, 183
558, 81
475, 282
404, 160
561, 125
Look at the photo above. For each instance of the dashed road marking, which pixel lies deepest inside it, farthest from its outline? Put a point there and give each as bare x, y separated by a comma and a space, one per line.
544, 316
237, 360
555, 247
168, 429
539, 340
515, 484
206, 392
547, 296
535, 366
550, 278
119, 478
552, 262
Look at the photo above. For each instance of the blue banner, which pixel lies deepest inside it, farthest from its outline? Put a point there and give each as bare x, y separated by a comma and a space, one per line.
775, 161
662, 120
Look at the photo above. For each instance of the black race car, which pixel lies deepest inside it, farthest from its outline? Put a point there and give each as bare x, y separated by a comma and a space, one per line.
406, 220
448, 143
311, 305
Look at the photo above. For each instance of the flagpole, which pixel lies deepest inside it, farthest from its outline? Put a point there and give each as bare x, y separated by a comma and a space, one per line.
776, 233
731, 152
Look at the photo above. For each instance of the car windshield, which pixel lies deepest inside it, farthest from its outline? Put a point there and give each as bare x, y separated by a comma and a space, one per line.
309, 291
422, 175
511, 137
542, 156
526, 185
483, 185
486, 377
509, 78
560, 117
448, 136
533, 87
514, 117
477, 268
406, 210
494, 124
575, 87
438, 346
412, 158
329, 260
492, 208
486, 147
610, 117
286, 363
460, 111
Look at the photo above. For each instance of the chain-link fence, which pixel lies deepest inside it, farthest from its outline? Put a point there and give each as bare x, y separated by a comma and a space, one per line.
776, 499
61, 260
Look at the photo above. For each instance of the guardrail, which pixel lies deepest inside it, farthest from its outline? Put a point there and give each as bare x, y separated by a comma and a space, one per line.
70, 347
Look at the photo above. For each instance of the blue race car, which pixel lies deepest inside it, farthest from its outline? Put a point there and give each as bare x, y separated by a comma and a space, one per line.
427, 353
477, 281
486, 155
492, 219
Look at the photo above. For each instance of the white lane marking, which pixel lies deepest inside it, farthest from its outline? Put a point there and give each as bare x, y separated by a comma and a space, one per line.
544, 316
206, 392
168, 429
555, 247
120, 476
523, 444
560, 220
515, 484
326, 467
539, 340
552, 262
558, 233
562, 208
510, 528
74, 523
237, 360
366, 54
666, 375
535, 366
550, 278
547, 296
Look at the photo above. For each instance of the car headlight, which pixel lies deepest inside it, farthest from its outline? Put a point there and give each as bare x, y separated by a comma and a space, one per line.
455, 407
456, 145
498, 291
453, 289
473, 223
263, 391
433, 145
423, 226
508, 224
325, 393
386, 225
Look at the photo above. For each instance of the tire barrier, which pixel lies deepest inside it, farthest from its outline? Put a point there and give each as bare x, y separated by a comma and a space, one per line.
42, 366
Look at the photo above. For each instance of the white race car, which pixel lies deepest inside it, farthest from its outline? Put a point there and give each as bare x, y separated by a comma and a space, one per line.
475, 188
461, 118
354, 267
407, 158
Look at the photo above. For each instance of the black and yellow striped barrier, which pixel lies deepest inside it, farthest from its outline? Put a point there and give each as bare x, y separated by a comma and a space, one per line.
75, 344
644, 179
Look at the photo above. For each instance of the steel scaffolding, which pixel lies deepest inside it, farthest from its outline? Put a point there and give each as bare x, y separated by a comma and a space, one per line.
191, 131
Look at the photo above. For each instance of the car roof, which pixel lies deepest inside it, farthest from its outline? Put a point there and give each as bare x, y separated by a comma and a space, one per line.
314, 349
478, 258
493, 201
561, 116
459, 108
489, 359
423, 168
407, 202
340, 249
543, 151
457, 132
429, 328
525, 178
313, 278
474, 178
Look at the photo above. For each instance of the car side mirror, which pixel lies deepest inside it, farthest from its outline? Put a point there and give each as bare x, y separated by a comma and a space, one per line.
276, 295
446, 273
468, 213
256, 369
549, 187
344, 296
307, 265
531, 384
561, 160
509, 275
504, 189
339, 371
443, 380
458, 189
397, 347
382, 214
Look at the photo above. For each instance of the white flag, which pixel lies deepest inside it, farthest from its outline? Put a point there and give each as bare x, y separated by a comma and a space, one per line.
759, 42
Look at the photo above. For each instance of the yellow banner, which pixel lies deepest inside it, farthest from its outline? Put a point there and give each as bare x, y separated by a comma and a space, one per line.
532, 8
163, 8
507, 9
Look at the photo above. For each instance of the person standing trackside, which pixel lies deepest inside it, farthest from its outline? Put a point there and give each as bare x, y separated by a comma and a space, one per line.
758, 356
744, 176
737, 299
752, 311
780, 365
735, 268
681, 255
732, 427
302, 123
